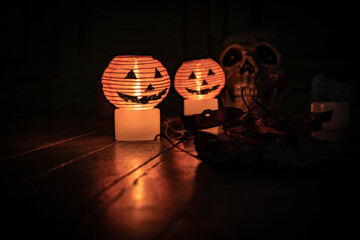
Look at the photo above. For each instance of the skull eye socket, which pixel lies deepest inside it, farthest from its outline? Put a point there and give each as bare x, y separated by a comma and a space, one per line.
231, 57
266, 55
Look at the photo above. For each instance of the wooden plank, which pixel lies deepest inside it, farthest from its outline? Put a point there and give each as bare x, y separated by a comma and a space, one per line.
45, 145
22, 138
238, 205
267, 204
145, 202
37, 163
68, 195
148, 190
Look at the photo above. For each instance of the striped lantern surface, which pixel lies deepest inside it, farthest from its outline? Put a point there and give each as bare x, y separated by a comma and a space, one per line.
199, 79
135, 82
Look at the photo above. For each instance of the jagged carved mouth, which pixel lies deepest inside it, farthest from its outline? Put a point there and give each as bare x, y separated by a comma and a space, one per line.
203, 91
144, 99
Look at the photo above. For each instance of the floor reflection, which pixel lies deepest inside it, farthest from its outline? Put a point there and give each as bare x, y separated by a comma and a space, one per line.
154, 193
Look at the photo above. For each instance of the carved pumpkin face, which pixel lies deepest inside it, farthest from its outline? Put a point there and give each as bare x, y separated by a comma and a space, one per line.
135, 82
199, 79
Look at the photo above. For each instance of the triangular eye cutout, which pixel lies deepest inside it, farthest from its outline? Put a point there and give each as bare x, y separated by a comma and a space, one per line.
157, 73
131, 75
192, 76
149, 88
210, 72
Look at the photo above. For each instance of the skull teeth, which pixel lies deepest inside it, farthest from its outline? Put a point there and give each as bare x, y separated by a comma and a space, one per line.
247, 91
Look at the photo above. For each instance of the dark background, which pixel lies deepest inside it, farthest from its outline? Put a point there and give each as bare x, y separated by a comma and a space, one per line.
54, 52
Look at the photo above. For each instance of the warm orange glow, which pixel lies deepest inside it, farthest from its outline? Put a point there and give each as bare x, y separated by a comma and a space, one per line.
136, 125
135, 82
199, 79
197, 106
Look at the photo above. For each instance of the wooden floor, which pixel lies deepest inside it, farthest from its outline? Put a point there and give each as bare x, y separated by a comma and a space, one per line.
72, 180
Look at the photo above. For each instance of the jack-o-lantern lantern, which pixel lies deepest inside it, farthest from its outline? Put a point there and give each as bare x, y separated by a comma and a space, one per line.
135, 85
199, 79
135, 82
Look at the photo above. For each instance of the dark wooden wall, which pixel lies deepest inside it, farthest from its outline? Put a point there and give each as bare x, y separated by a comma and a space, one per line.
54, 52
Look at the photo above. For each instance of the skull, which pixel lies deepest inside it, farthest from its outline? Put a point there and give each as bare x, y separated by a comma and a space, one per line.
254, 74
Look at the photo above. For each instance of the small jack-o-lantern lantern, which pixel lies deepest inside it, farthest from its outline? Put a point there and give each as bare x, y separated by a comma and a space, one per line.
135, 82
199, 79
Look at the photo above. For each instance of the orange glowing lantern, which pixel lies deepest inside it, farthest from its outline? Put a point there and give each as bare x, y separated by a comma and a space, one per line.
135, 84
199, 82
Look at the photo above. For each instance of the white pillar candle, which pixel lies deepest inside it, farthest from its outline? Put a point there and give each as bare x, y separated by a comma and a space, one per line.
340, 117
197, 106
137, 124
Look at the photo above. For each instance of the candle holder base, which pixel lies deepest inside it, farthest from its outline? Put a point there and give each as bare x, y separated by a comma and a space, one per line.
137, 125
197, 106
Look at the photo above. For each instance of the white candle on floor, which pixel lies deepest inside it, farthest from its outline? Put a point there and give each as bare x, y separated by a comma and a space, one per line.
340, 117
